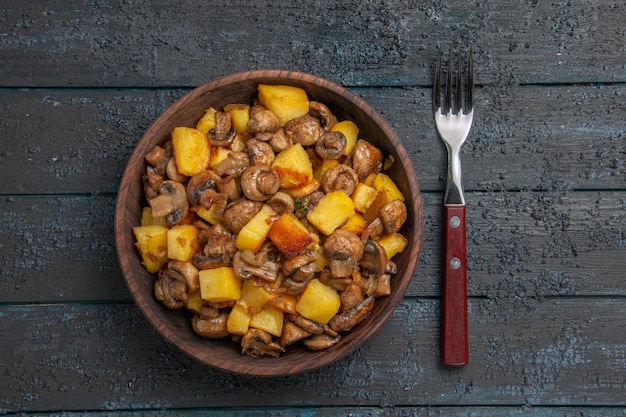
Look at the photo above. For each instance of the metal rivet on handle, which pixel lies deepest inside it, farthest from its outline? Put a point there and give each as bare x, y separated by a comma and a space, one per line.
455, 221
455, 263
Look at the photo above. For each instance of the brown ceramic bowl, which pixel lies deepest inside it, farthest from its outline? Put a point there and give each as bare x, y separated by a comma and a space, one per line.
175, 325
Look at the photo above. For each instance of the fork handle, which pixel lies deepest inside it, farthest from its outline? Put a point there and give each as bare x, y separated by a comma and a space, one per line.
454, 333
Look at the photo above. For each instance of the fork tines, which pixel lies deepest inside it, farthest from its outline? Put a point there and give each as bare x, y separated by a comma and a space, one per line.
462, 102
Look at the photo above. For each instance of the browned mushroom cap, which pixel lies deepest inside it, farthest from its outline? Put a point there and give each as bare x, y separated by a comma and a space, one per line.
292, 333
346, 321
262, 120
170, 289
305, 130
202, 186
366, 159
223, 134
320, 110
393, 215
280, 141
257, 343
230, 187
211, 326
351, 296
187, 272
259, 182
260, 153
151, 183
321, 341
218, 250
343, 249
158, 157
234, 164
246, 266
309, 325
281, 202
300, 268
331, 145
340, 178
172, 171
374, 260
171, 202
237, 214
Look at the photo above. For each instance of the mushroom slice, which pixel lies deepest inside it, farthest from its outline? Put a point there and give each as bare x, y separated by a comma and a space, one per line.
321, 341
187, 272
218, 250
170, 289
202, 187
259, 182
351, 296
321, 111
234, 164
280, 141
237, 214
172, 171
343, 249
292, 333
260, 153
304, 264
308, 325
331, 145
223, 134
211, 327
374, 259
262, 120
267, 271
366, 159
151, 183
230, 187
346, 321
305, 130
171, 202
281, 202
340, 177
393, 215
257, 343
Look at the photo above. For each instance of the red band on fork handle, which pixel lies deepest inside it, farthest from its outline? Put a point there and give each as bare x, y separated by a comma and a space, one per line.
454, 310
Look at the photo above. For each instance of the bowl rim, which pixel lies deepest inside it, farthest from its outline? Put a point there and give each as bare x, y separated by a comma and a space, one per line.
264, 367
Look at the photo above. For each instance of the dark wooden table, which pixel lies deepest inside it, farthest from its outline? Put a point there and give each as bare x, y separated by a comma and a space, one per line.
544, 172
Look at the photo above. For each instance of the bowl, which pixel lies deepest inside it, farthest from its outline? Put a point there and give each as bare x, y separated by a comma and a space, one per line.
174, 325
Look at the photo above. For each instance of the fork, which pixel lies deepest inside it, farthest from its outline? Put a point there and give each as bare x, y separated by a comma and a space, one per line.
453, 117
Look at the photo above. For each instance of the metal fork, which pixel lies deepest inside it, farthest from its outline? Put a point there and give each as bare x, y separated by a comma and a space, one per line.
453, 116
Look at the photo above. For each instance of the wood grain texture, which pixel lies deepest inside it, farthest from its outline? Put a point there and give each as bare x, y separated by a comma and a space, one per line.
351, 42
548, 352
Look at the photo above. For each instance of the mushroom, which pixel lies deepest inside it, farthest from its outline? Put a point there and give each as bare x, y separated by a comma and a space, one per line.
321, 111
331, 145
281, 202
170, 289
234, 164
321, 341
343, 249
151, 183
230, 187
187, 273
300, 268
280, 141
159, 157
371, 267
201, 188
218, 250
211, 324
346, 321
351, 296
223, 133
393, 215
172, 171
292, 333
260, 153
170, 202
237, 214
305, 130
373, 230
366, 159
310, 326
257, 343
259, 182
262, 120
246, 266
340, 177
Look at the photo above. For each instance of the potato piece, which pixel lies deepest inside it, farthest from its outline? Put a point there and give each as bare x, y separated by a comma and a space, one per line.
181, 242
286, 102
372, 211
239, 143
363, 197
320, 170
192, 150
333, 210
269, 319
219, 284
253, 234
289, 235
393, 244
152, 246
218, 154
355, 224
382, 182
255, 298
238, 320
285, 302
239, 114
194, 303
148, 220
293, 166
209, 214
318, 302
350, 131
207, 121
303, 190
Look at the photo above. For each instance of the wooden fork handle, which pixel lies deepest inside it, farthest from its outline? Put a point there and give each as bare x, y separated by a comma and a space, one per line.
454, 332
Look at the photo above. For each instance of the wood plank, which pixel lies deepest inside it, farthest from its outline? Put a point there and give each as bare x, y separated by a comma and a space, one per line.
550, 352
355, 43
78, 141
519, 245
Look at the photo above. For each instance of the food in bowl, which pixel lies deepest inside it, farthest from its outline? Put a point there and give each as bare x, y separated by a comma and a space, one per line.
271, 222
